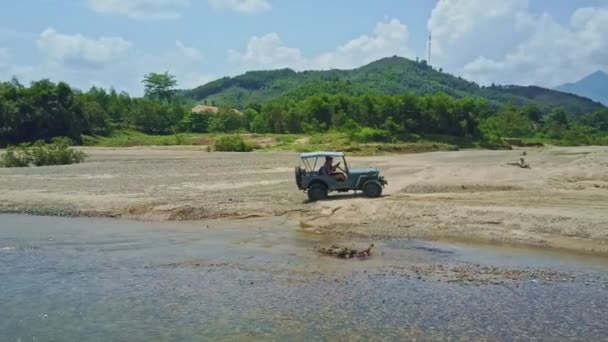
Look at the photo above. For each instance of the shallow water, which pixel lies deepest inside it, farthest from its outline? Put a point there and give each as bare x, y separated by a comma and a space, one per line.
101, 279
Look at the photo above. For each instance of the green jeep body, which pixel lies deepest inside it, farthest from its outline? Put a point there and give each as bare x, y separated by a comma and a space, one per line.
317, 186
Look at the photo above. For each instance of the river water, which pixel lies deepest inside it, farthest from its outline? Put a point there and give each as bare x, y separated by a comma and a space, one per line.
111, 280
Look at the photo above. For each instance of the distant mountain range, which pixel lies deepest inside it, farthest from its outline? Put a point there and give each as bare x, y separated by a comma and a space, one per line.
390, 76
593, 86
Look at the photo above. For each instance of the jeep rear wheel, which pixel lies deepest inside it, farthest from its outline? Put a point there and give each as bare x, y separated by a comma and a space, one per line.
317, 192
372, 189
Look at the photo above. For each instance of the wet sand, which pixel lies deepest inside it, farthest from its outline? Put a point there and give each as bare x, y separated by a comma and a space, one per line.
561, 202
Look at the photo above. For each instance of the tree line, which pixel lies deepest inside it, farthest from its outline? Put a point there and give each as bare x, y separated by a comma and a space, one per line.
45, 110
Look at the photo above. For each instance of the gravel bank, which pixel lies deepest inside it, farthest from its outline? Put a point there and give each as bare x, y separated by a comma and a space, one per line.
562, 201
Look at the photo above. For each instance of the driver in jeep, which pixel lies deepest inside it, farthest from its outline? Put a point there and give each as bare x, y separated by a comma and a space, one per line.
329, 169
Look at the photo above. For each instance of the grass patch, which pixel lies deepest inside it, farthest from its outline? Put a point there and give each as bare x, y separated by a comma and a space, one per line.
129, 138
335, 141
42, 154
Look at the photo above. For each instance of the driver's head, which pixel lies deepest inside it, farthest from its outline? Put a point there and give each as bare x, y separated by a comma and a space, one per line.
329, 160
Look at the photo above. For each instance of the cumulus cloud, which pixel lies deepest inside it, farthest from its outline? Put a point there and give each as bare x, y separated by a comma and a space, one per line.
80, 51
242, 6
190, 53
83, 62
390, 37
503, 41
454, 22
267, 52
140, 9
185, 62
553, 53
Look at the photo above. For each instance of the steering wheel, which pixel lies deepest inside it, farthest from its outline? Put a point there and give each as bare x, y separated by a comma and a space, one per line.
339, 168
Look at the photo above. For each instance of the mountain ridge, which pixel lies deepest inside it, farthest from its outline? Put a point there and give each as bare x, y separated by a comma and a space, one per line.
593, 86
387, 76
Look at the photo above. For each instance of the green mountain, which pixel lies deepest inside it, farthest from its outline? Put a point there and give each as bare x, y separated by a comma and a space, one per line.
390, 76
593, 86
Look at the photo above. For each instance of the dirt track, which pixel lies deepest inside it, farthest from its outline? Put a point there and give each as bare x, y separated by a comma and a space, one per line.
562, 201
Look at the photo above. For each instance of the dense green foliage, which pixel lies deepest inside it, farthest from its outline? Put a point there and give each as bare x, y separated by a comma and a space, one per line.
42, 154
357, 109
389, 76
407, 117
159, 87
45, 110
232, 143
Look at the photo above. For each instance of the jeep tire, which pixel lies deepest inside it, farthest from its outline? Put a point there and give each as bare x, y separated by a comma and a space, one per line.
372, 189
317, 192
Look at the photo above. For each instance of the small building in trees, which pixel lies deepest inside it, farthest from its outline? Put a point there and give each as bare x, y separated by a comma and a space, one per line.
205, 109
209, 109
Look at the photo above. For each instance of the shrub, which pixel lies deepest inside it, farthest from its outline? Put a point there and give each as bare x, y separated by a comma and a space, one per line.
88, 140
16, 156
41, 154
179, 139
232, 143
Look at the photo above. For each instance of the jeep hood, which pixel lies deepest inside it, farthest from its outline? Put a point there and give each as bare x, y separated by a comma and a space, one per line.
363, 171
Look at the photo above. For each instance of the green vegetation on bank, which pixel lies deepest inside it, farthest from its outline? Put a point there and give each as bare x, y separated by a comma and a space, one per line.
233, 143
41, 154
45, 110
277, 142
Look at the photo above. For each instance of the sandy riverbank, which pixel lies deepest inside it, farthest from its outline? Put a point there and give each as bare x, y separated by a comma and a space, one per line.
562, 201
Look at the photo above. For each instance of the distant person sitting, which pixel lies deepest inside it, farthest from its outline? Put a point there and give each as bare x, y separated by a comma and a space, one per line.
329, 169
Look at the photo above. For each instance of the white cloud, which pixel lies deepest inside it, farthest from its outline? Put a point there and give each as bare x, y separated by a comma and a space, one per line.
140, 9
503, 41
185, 62
242, 6
190, 53
552, 54
80, 51
108, 62
454, 21
390, 37
267, 52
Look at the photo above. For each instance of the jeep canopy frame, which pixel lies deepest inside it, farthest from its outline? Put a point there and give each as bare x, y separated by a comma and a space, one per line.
311, 166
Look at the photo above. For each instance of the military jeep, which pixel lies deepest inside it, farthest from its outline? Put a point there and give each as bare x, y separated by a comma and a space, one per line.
318, 185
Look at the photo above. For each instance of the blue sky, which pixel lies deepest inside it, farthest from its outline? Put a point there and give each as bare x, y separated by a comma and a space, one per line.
115, 42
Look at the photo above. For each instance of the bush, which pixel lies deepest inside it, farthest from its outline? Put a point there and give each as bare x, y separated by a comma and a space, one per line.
16, 156
232, 143
89, 140
41, 154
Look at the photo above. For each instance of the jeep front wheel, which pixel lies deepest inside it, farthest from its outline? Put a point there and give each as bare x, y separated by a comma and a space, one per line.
317, 192
372, 189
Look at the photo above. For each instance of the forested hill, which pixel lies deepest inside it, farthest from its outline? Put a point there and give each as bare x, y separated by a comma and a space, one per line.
390, 76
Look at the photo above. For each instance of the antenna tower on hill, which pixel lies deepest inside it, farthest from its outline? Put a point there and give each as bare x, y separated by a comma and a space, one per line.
429, 46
